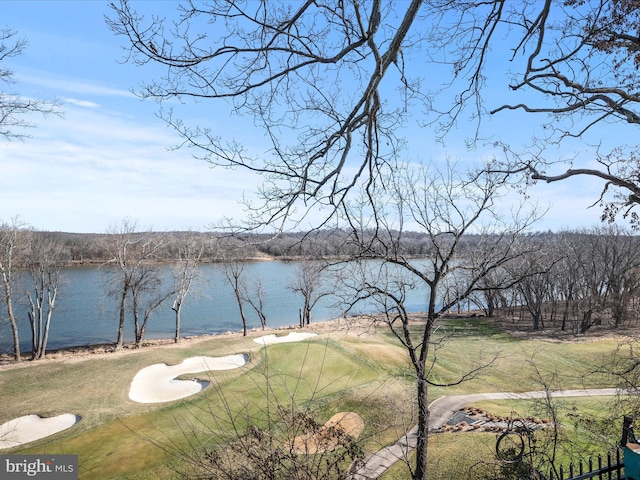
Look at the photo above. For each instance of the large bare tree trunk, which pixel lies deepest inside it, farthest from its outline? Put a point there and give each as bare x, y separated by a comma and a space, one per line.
236, 291
422, 441
47, 325
122, 316
17, 355
177, 308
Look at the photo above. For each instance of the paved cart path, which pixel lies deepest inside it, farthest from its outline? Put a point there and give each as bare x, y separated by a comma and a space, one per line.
441, 410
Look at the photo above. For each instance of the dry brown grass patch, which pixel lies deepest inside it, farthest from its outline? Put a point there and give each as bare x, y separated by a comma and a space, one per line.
385, 354
331, 435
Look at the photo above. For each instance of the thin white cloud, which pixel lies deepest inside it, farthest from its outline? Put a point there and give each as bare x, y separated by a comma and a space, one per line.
81, 103
69, 84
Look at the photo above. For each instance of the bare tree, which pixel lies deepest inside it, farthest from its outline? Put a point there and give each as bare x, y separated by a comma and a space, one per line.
231, 255
612, 275
234, 273
130, 273
254, 296
492, 294
147, 294
534, 271
12, 237
469, 240
570, 279
309, 282
14, 109
336, 149
190, 251
44, 262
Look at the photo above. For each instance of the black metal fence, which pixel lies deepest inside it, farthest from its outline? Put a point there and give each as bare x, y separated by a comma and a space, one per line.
609, 468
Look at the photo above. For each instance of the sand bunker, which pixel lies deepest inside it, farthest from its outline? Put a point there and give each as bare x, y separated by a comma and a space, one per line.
292, 337
33, 427
157, 383
330, 435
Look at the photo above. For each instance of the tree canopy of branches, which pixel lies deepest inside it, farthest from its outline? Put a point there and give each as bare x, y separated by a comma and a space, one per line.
581, 71
286, 65
14, 109
332, 84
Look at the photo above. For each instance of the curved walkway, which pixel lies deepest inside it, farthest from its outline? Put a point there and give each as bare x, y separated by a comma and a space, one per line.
441, 410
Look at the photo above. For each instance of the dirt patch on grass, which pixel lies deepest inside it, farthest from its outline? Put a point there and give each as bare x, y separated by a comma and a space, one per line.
336, 432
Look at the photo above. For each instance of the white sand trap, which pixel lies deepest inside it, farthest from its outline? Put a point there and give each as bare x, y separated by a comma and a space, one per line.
292, 337
33, 427
157, 383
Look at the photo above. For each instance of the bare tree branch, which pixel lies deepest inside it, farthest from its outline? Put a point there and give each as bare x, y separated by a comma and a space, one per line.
14, 108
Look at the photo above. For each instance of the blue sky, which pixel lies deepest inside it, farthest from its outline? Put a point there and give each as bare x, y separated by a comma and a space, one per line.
107, 158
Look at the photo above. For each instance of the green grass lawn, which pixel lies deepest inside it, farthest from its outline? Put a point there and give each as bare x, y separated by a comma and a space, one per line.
369, 374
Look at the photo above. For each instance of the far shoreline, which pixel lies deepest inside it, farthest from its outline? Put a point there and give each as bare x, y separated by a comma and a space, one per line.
358, 323
106, 349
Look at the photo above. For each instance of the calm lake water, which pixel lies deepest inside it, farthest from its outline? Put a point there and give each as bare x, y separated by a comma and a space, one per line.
85, 315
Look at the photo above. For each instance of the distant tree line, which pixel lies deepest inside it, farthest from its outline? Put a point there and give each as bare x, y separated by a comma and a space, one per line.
570, 280
576, 280
92, 248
